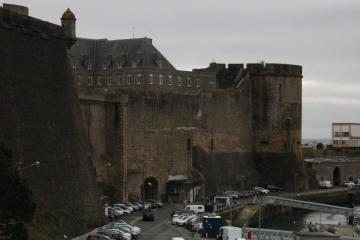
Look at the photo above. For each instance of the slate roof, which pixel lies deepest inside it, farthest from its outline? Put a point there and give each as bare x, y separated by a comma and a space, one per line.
137, 52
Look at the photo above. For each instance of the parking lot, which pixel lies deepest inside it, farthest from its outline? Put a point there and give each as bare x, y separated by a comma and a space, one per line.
161, 228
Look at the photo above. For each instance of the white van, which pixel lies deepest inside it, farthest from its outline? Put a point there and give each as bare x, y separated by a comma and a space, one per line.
196, 208
230, 233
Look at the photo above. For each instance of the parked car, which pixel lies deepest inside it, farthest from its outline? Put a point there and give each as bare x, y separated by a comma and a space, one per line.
121, 224
325, 184
115, 234
156, 204
231, 194
114, 213
273, 188
183, 221
230, 233
197, 208
98, 236
122, 207
261, 190
148, 215
349, 184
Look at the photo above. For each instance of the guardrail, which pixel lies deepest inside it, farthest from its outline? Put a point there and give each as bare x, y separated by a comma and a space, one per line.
263, 233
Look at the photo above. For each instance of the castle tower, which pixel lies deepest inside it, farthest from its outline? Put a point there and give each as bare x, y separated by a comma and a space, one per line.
276, 113
68, 22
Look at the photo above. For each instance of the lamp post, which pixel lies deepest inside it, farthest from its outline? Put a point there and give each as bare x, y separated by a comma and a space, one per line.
295, 176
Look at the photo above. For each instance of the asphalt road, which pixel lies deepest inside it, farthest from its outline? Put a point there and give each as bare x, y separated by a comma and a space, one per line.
161, 228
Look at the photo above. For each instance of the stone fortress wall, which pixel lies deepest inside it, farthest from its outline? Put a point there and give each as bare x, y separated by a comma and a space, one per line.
242, 132
40, 118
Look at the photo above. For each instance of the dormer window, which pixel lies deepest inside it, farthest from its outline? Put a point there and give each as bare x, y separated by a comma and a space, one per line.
197, 82
99, 81
161, 79
89, 66
179, 81
79, 80
170, 82
139, 79
74, 66
133, 64
119, 65
105, 66
129, 80
109, 80
151, 79
160, 63
188, 82
90, 81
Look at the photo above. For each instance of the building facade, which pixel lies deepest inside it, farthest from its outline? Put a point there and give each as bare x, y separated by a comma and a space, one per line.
159, 132
346, 135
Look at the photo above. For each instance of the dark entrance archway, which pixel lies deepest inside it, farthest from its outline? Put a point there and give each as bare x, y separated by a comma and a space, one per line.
337, 176
151, 188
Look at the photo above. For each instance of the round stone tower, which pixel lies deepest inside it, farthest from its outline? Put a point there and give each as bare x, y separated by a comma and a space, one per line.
276, 91
68, 22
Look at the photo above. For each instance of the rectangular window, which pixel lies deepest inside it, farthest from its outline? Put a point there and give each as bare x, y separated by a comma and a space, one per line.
89, 67
99, 81
129, 80
119, 82
179, 81
188, 82
151, 79
109, 80
79, 80
161, 79
170, 82
105, 66
139, 79
119, 65
197, 82
90, 81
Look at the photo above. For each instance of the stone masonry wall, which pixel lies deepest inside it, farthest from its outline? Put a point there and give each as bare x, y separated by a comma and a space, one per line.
40, 121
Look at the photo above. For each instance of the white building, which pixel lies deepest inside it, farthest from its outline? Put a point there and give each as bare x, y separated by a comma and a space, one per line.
346, 134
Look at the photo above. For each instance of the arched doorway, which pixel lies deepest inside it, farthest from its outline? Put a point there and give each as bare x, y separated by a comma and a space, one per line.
337, 176
151, 188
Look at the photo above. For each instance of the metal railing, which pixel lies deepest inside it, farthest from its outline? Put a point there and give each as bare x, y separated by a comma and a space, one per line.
312, 206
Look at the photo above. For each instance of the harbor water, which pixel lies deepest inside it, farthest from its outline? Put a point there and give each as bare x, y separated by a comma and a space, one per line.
299, 220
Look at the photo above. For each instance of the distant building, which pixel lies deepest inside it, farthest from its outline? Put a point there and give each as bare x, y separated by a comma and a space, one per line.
346, 134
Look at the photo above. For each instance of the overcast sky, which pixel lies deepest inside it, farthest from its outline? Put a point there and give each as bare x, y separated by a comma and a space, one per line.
321, 35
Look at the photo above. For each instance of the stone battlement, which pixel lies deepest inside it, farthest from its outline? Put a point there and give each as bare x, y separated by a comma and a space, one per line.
256, 68
274, 69
11, 18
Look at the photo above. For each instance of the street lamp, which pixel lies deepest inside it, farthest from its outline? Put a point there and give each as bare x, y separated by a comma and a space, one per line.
295, 176
21, 168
